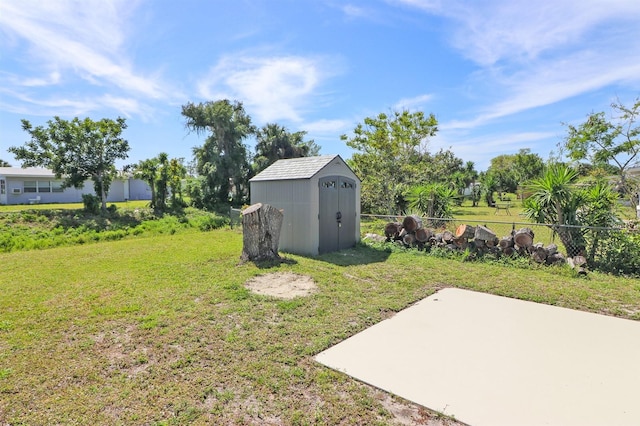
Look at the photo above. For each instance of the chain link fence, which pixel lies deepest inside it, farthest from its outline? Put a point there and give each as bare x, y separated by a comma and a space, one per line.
615, 250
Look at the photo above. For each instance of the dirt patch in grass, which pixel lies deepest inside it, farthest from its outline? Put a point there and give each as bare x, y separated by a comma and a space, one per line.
406, 413
284, 285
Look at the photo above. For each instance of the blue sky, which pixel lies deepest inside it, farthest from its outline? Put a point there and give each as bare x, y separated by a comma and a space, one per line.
500, 75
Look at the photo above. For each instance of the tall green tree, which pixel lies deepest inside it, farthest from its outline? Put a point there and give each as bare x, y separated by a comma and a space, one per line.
511, 170
275, 142
572, 209
222, 161
461, 179
164, 176
605, 142
76, 150
527, 165
392, 157
4, 163
177, 173
555, 201
147, 171
488, 185
434, 200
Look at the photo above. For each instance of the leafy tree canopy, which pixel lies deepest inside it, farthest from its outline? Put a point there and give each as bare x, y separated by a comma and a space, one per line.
433, 200
558, 201
4, 163
76, 150
608, 142
274, 142
510, 170
393, 156
162, 174
222, 162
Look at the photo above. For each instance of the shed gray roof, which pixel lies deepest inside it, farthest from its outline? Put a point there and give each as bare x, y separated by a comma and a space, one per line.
26, 172
295, 168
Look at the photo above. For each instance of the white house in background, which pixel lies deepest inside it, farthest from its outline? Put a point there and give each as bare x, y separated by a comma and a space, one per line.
35, 185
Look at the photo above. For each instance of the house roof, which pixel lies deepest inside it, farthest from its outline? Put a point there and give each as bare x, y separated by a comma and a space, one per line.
26, 172
295, 168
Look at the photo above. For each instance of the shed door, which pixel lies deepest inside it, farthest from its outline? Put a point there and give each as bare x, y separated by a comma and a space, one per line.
337, 213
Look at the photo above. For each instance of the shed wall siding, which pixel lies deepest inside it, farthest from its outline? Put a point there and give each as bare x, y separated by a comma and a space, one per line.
292, 196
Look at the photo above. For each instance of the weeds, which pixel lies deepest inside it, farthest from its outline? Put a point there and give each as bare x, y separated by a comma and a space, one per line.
43, 229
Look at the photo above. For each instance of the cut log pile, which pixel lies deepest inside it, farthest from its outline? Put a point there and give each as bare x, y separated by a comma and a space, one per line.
479, 240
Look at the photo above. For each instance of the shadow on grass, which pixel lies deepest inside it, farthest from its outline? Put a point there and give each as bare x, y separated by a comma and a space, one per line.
359, 255
273, 263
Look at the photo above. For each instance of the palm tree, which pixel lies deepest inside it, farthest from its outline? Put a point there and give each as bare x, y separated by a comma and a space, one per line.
162, 181
434, 200
147, 170
489, 185
556, 201
177, 172
274, 142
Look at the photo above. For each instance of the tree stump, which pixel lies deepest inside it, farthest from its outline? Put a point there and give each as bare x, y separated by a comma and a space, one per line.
485, 234
465, 231
447, 236
412, 223
261, 224
461, 243
523, 237
392, 230
423, 235
409, 239
506, 242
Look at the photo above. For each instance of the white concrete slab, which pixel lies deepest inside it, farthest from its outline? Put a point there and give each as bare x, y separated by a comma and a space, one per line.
491, 360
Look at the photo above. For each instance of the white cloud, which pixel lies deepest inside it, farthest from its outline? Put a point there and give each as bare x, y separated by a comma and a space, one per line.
272, 88
354, 11
327, 127
495, 30
413, 103
51, 79
66, 40
536, 54
25, 104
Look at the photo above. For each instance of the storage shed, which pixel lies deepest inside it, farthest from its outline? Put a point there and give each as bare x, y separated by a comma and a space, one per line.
320, 198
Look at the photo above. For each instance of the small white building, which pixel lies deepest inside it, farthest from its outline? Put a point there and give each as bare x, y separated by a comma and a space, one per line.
31, 185
320, 198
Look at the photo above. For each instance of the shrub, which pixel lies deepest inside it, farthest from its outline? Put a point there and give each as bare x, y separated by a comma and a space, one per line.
433, 200
209, 222
91, 203
618, 252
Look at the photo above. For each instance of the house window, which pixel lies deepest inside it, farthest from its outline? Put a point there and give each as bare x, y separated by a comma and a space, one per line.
330, 184
3, 187
44, 186
30, 186
56, 186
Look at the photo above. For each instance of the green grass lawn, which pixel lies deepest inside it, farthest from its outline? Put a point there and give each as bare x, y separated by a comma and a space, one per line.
21, 207
161, 330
